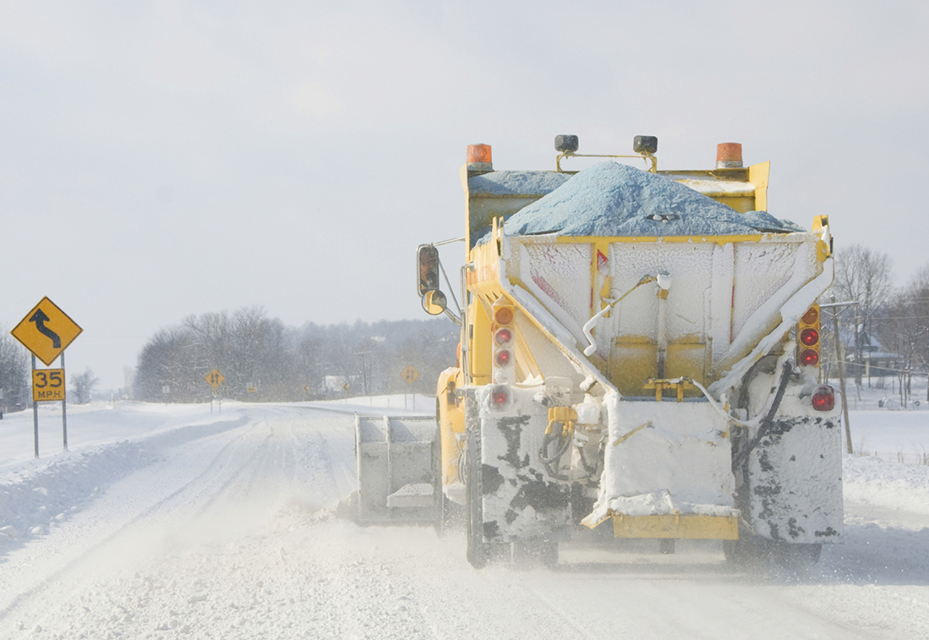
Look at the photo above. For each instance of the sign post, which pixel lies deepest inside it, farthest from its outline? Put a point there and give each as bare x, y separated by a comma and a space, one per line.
214, 378
64, 406
409, 374
35, 416
46, 332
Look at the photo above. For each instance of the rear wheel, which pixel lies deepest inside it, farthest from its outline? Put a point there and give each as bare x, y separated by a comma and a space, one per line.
548, 553
738, 552
437, 495
799, 556
535, 552
749, 550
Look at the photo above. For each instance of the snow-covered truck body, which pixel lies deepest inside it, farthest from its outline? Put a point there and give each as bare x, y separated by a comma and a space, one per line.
639, 348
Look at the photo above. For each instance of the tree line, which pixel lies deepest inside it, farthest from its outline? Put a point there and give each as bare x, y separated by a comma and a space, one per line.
262, 359
884, 333
14, 374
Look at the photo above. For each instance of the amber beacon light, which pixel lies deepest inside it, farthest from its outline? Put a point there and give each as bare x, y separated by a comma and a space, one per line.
729, 155
480, 157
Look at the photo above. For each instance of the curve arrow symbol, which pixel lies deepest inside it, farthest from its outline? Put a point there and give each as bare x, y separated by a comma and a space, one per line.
40, 319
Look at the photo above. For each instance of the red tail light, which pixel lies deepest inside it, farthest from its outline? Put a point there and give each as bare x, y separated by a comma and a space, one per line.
809, 358
503, 357
499, 397
824, 398
503, 337
809, 337
504, 334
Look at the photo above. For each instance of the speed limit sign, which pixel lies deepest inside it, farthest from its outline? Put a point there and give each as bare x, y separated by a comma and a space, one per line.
48, 384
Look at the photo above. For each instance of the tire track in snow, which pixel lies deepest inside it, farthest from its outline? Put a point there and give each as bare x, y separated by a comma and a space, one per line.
56, 576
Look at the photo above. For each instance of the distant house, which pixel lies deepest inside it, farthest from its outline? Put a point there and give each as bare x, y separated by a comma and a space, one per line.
339, 385
873, 356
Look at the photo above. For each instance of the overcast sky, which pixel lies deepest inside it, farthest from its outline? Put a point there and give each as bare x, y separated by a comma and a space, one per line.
162, 159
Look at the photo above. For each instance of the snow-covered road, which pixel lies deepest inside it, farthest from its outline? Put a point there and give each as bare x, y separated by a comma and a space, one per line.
221, 527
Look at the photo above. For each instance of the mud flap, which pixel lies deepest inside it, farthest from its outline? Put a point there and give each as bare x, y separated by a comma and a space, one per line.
794, 481
520, 500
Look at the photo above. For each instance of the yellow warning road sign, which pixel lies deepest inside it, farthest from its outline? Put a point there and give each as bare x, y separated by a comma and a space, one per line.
214, 378
48, 384
46, 331
409, 374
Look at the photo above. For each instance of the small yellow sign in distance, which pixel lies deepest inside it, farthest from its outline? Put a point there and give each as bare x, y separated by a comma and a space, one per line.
409, 374
46, 331
48, 385
214, 378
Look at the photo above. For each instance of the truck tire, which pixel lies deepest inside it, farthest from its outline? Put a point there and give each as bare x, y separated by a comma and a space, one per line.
438, 496
477, 548
799, 556
738, 553
749, 551
538, 551
548, 553
666, 546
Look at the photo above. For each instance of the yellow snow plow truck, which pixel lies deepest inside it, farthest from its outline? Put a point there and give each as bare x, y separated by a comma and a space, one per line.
639, 351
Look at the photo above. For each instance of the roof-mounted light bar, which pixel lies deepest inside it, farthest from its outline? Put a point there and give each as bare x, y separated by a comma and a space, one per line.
567, 145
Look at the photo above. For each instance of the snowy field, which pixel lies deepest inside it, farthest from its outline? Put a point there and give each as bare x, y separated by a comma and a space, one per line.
172, 521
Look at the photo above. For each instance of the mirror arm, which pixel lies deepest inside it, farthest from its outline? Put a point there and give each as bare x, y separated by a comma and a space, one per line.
451, 315
451, 290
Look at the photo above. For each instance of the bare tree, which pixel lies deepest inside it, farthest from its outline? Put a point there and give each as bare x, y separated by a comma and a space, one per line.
288, 364
863, 276
14, 373
83, 385
905, 329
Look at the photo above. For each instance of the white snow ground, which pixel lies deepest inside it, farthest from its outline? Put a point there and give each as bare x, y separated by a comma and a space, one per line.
165, 522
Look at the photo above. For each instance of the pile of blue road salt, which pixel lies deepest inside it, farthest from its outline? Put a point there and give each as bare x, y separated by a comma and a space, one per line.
612, 199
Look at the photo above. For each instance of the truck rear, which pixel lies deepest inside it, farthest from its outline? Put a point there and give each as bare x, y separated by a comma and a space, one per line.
640, 351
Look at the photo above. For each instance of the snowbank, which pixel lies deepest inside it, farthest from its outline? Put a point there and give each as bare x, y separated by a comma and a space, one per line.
40, 494
887, 484
35, 499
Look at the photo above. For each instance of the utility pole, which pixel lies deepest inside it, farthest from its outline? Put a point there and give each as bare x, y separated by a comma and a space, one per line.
364, 370
839, 361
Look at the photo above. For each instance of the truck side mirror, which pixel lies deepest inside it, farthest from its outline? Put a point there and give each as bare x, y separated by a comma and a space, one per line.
434, 302
427, 267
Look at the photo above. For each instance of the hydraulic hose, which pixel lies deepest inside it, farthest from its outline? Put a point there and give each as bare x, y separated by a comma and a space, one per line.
767, 423
768, 410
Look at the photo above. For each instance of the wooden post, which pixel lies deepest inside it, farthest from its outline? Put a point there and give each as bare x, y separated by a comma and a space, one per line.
838, 357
